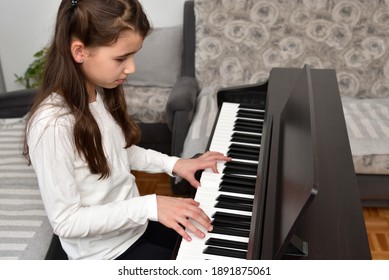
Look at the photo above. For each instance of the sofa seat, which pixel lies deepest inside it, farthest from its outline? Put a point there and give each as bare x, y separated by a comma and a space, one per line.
25, 232
367, 122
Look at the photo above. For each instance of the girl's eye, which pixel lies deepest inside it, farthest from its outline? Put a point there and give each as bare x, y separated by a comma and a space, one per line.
120, 59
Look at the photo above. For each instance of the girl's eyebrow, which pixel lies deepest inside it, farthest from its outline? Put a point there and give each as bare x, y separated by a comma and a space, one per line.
126, 54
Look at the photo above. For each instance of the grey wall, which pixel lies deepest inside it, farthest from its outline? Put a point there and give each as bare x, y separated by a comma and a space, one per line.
26, 27
2, 84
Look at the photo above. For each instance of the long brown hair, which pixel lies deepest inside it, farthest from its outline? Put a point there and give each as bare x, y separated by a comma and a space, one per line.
96, 23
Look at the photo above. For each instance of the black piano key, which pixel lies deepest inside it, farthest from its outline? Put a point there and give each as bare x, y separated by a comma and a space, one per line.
225, 219
250, 114
242, 155
239, 180
230, 224
218, 242
235, 199
246, 128
246, 138
230, 231
250, 123
244, 148
233, 206
249, 136
240, 168
227, 187
229, 220
242, 165
211, 250
232, 217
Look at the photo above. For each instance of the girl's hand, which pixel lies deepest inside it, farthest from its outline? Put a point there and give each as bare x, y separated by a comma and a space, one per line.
186, 168
175, 212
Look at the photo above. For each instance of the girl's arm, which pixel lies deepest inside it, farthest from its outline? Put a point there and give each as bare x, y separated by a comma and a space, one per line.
53, 155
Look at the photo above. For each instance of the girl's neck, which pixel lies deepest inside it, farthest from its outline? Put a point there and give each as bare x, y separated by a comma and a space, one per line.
91, 89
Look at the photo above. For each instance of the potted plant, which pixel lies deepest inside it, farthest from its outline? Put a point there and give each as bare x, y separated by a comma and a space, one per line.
33, 75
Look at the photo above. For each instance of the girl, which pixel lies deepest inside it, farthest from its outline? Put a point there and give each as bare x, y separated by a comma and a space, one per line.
82, 143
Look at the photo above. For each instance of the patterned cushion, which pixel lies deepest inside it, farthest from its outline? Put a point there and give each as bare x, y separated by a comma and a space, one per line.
147, 104
238, 42
25, 232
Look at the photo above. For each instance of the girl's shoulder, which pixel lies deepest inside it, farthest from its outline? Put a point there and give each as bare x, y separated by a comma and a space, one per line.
53, 111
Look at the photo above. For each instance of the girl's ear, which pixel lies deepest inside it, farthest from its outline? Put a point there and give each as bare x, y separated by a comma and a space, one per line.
77, 49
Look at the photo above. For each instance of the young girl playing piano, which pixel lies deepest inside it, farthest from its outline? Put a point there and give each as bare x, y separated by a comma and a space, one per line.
82, 143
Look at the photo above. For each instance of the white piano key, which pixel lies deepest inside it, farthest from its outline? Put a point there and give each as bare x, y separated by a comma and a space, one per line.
213, 193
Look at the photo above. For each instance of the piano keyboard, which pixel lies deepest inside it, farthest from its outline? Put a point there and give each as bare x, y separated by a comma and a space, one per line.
227, 197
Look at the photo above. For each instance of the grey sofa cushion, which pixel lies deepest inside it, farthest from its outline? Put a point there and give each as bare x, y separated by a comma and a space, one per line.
158, 63
181, 98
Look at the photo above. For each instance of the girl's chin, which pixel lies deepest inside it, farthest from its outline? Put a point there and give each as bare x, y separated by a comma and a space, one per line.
111, 86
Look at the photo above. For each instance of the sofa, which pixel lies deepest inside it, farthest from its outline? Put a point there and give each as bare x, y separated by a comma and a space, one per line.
161, 97
239, 42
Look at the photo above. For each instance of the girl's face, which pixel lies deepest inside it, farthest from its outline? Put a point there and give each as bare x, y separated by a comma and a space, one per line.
109, 66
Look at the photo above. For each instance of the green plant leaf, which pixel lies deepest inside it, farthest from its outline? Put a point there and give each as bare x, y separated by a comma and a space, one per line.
32, 77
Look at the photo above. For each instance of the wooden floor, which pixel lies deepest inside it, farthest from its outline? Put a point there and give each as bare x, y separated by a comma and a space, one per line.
377, 226
376, 219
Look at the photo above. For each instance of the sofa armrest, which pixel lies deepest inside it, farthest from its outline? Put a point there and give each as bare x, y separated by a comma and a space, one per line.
180, 110
15, 104
182, 98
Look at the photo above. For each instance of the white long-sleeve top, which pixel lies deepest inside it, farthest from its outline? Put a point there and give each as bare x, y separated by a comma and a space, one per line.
94, 219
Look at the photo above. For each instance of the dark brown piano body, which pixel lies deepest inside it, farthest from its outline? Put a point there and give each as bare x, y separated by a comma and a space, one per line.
333, 225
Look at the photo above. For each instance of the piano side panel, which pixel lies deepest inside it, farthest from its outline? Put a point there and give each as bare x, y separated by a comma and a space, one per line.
333, 226
336, 212
280, 83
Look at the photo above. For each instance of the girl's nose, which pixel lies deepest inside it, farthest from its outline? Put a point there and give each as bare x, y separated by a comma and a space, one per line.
129, 67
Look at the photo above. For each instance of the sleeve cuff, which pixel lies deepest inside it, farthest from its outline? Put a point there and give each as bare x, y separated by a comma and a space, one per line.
171, 162
152, 207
